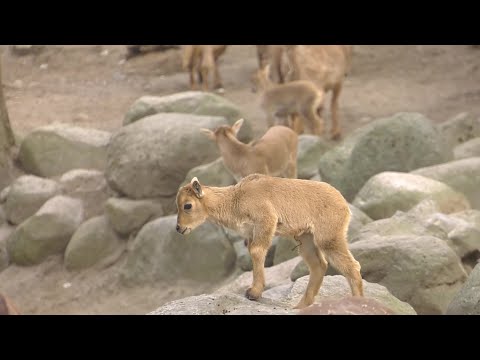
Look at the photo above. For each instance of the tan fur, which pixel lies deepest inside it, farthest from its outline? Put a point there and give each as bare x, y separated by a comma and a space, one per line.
275, 153
7, 307
203, 60
314, 213
273, 55
291, 102
324, 65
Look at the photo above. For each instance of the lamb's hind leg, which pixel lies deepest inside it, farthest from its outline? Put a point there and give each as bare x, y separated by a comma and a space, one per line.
338, 255
316, 264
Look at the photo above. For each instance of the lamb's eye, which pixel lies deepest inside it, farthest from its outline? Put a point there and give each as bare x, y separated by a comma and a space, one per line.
187, 206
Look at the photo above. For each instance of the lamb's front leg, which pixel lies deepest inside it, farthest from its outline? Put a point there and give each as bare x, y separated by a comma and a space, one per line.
258, 247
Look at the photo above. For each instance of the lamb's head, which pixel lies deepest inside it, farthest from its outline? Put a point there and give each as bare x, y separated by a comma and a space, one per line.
223, 131
191, 211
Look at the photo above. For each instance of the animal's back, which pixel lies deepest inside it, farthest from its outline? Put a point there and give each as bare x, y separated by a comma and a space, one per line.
325, 65
294, 196
290, 96
277, 145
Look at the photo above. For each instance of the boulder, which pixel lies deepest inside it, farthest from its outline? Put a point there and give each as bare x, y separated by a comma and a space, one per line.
57, 148
388, 192
467, 300
189, 102
27, 194
470, 148
211, 174
47, 232
286, 249
357, 221
421, 270
143, 157
159, 252
127, 215
459, 129
281, 299
93, 243
402, 142
5, 232
310, 150
89, 186
244, 260
461, 175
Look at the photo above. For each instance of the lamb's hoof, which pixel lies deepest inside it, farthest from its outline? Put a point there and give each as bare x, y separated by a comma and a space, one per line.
251, 295
336, 136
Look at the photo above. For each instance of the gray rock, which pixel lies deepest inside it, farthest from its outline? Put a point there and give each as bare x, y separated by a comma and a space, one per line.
5, 232
402, 142
423, 271
357, 221
3, 216
470, 148
462, 235
278, 300
127, 215
219, 304
159, 252
55, 149
47, 232
310, 150
286, 249
27, 194
89, 186
143, 157
189, 102
211, 174
93, 243
461, 175
336, 287
399, 224
459, 129
4, 194
274, 276
388, 192
467, 300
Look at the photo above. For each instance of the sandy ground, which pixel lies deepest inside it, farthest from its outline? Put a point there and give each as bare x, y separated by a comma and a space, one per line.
93, 86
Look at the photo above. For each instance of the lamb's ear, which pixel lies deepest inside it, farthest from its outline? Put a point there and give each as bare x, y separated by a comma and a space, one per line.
197, 188
236, 127
209, 133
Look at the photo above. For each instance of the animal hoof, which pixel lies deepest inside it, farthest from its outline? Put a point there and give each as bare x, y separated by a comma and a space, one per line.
336, 136
220, 90
250, 295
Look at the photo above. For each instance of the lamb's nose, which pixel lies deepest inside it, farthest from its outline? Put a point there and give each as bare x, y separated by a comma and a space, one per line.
178, 228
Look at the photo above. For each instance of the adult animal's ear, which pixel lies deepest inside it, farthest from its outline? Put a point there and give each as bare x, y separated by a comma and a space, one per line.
236, 127
197, 188
209, 133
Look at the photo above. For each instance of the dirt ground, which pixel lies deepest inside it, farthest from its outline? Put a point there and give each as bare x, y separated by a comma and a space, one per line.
93, 86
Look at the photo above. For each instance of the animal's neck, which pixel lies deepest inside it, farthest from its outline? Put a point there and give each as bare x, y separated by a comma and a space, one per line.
231, 148
218, 204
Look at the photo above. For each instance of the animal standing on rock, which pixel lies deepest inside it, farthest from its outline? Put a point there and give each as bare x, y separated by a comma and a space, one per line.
203, 60
273, 55
290, 100
326, 66
275, 153
314, 213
